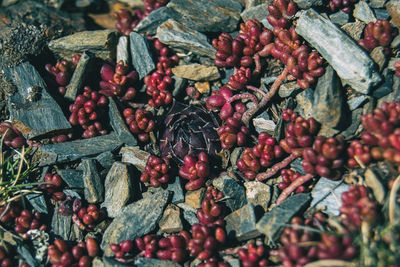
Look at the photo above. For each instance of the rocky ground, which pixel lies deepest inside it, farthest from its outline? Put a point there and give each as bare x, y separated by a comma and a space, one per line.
199, 133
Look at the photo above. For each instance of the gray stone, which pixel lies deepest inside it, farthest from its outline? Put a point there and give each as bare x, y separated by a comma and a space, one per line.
377, 3
73, 178
386, 87
195, 197
306, 4
148, 262
94, 188
207, 15
190, 217
135, 220
61, 225
340, 18
71, 151
393, 7
123, 49
395, 43
263, 125
149, 24
297, 166
38, 202
356, 102
235, 155
178, 36
241, 224
326, 194
118, 189
6, 3
363, 12
378, 55
118, 124
328, 108
235, 193
286, 89
32, 105
135, 156
140, 54
273, 221
339, 50
381, 13
176, 188
101, 43
106, 159
197, 72
171, 221
257, 193
259, 12
354, 126
395, 94
354, 29
71, 193
110, 262
80, 76
305, 101
179, 85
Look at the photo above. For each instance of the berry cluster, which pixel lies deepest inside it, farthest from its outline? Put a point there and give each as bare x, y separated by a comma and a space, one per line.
211, 212
357, 207
118, 81
122, 250
5, 257
253, 256
343, 5
380, 33
126, 22
357, 152
171, 248
260, 156
159, 82
150, 5
12, 137
54, 186
325, 158
60, 253
288, 177
62, 72
281, 13
21, 220
156, 171
299, 133
205, 241
140, 122
88, 111
397, 67
196, 171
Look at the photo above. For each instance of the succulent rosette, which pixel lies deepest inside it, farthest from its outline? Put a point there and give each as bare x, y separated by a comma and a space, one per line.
189, 130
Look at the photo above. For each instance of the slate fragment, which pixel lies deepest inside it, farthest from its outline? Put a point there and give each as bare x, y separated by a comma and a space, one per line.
73, 178
258, 193
171, 221
363, 12
80, 76
38, 202
339, 50
61, 225
326, 193
305, 102
135, 220
259, 12
93, 185
118, 124
197, 72
123, 49
354, 29
235, 192
305, 4
31, 104
148, 262
175, 187
106, 159
140, 54
328, 100
135, 156
74, 150
207, 15
393, 7
273, 221
149, 24
178, 36
101, 43
195, 197
118, 189
241, 224
340, 18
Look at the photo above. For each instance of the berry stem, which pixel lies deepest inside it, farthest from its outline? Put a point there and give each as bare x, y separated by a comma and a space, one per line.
296, 183
274, 88
243, 96
255, 89
274, 169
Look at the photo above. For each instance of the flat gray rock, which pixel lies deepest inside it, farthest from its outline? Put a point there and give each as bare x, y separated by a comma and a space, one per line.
306, 4
71, 151
328, 99
259, 12
31, 104
147, 262
135, 220
340, 18
149, 24
118, 124
135, 156
178, 36
73, 178
93, 184
241, 224
393, 7
363, 12
123, 49
140, 54
339, 50
80, 75
61, 225
273, 221
235, 192
207, 15
118, 189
